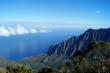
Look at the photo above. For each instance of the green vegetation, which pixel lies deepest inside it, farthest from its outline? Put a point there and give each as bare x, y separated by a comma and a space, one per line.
0, 71
19, 69
96, 59
46, 70
95, 45
23, 69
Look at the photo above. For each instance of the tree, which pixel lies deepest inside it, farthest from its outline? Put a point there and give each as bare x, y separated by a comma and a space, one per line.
19, 69
0, 71
46, 70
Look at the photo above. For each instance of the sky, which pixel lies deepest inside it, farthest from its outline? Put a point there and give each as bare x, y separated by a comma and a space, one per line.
70, 17
94, 12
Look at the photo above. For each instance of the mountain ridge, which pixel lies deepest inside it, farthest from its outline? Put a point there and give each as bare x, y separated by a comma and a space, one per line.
67, 48
77, 52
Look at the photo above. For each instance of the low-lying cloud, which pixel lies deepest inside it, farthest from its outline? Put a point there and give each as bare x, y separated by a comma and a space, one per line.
19, 30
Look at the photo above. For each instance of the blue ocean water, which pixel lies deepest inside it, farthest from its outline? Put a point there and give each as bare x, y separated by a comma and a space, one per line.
22, 46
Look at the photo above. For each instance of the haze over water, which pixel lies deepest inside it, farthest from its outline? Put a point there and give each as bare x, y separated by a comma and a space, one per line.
29, 27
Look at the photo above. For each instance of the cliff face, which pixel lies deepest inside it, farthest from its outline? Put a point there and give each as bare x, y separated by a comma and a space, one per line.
67, 48
95, 60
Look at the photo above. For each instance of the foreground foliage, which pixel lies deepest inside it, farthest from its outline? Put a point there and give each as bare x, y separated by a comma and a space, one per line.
18, 69
95, 59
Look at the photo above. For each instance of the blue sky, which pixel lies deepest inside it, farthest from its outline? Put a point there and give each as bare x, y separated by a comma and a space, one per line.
59, 11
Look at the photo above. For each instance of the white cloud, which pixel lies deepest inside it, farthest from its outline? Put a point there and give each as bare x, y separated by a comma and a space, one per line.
33, 30
21, 30
44, 30
4, 31
8, 31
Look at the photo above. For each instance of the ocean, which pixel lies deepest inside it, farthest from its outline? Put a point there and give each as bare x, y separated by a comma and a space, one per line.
17, 47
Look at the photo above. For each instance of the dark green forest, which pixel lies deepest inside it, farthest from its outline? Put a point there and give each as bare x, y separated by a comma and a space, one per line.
96, 59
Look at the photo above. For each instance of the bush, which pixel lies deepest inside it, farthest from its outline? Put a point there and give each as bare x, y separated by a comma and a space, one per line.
46, 70
18, 69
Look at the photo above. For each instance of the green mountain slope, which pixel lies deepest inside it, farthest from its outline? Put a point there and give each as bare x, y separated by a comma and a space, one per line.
94, 60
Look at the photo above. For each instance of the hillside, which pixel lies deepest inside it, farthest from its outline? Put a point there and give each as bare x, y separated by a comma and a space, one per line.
89, 52
62, 52
95, 60
67, 48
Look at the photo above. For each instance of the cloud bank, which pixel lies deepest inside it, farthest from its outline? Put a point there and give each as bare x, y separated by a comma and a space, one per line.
19, 30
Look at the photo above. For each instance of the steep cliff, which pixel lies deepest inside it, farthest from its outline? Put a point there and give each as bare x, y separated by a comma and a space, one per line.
67, 48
